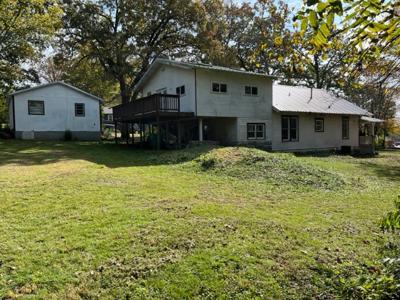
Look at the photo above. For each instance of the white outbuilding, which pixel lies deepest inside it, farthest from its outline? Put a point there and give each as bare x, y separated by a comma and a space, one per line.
52, 111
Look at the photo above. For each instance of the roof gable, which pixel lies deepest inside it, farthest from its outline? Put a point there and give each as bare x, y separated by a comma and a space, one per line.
154, 67
56, 83
301, 99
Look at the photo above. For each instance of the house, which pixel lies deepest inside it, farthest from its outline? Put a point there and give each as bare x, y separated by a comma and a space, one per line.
182, 102
49, 111
107, 117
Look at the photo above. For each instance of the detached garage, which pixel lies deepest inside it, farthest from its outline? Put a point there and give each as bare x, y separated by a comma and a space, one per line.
49, 111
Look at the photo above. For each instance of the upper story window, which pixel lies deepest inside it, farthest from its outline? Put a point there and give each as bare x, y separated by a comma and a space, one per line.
290, 128
35, 107
219, 87
180, 90
319, 124
345, 128
79, 109
251, 90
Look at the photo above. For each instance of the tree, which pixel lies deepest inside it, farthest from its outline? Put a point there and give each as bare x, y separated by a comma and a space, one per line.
124, 37
372, 24
26, 27
82, 72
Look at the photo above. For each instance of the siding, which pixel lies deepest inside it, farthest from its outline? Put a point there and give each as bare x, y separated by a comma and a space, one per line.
331, 138
59, 102
171, 77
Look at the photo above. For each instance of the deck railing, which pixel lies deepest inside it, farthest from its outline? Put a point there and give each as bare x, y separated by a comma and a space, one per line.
151, 104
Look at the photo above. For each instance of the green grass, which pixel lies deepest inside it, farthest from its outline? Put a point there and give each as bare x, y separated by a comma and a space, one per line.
84, 220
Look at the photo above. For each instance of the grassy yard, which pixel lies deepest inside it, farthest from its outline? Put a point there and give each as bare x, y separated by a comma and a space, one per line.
82, 220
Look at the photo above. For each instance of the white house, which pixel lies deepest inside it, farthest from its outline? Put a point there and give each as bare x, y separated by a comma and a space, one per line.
231, 106
49, 111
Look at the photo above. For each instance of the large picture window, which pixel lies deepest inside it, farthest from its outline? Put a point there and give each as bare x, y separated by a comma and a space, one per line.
255, 131
35, 107
345, 128
79, 109
290, 128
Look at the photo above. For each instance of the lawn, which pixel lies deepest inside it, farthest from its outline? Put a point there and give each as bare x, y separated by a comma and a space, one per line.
85, 220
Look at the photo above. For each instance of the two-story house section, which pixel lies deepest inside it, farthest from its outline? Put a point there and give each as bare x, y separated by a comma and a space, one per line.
221, 104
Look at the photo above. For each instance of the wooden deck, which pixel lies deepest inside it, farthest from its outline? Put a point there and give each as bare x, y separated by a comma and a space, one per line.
157, 106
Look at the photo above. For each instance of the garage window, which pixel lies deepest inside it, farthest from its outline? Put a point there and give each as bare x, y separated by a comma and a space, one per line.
79, 109
319, 125
35, 107
219, 87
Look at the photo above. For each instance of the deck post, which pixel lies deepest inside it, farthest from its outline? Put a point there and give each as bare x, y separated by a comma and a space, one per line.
115, 132
158, 100
178, 124
133, 134
200, 130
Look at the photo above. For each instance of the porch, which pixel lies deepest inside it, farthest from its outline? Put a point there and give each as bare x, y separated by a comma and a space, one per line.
155, 120
367, 134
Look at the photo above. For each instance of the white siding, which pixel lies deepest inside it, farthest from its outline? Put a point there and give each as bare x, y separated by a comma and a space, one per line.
59, 102
331, 138
171, 77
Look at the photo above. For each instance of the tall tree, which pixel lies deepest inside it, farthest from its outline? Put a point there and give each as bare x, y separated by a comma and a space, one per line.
26, 27
126, 36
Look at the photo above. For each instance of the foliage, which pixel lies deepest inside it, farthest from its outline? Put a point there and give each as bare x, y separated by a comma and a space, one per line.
82, 72
25, 29
124, 37
370, 23
3, 110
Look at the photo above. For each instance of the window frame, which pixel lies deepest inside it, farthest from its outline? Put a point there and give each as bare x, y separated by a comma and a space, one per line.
84, 110
289, 128
347, 119
37, 101
256, 131
252, 88
178, 90
323, 124
220, 84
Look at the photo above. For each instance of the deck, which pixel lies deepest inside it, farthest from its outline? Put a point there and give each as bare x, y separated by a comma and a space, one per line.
157, 106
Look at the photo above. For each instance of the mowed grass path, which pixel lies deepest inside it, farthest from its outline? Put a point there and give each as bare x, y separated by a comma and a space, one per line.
86, 220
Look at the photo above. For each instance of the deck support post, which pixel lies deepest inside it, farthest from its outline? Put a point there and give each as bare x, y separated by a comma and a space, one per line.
133, 134
115, 132
178, 125
200, 130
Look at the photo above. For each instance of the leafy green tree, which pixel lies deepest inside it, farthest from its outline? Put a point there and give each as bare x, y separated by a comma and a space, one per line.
26, 27
124, 37
372, 24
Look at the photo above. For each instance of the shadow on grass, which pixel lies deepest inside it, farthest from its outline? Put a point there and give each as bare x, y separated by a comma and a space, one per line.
27, 153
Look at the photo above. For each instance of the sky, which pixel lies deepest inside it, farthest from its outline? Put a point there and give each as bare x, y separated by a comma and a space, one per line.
292, 3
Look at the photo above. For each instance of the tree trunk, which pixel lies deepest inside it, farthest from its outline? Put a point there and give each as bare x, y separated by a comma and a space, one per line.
124, 99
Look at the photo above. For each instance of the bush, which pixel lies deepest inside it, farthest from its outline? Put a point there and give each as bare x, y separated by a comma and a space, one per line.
381, 280
67, 135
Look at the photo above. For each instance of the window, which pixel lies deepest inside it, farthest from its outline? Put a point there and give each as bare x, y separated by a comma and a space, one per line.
35, 107
219, 87
255, 131
79, 109
290, 129
319, 125
108, 117
180, 90
250, 90
345, 128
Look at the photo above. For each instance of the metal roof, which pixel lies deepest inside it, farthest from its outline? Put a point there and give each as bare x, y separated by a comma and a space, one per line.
371, 120
56, 83
188, 65
302, 99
